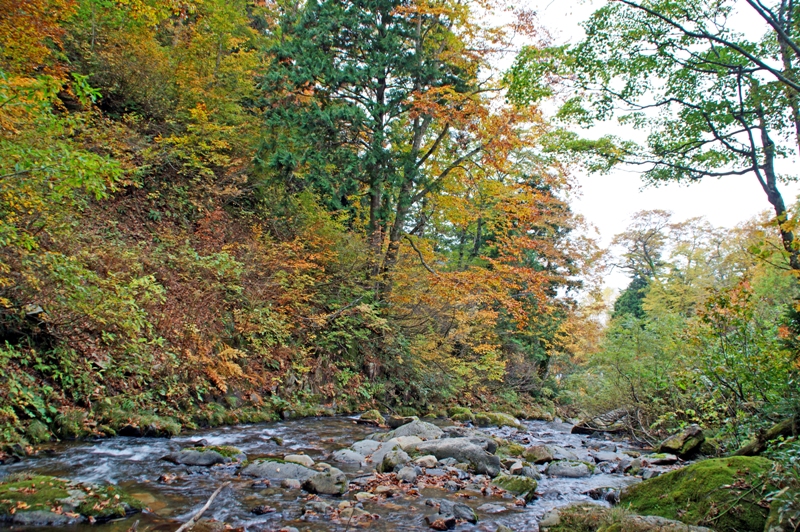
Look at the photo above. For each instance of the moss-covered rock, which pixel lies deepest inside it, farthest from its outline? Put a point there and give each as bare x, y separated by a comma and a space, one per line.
518, 485
720, 493
373, 415
41, 500
588, 517
487, 419
686, 444
510, 449
460, 413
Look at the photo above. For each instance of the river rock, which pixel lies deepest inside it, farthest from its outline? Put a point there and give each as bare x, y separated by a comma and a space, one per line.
407, 474
391, 460
420, 429
461, 450
457, 509
193, 457
586, 516
568, 469
365, 447
274, 470
301, 459
346, 456
518, 485
606, 456
372, 416
427, 461
330, 482
661, 459
487, 419
206, 456
541, 454
490, 508
684, 445
399, 421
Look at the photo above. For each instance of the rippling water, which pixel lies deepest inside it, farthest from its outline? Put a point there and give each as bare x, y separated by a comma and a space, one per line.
135, 464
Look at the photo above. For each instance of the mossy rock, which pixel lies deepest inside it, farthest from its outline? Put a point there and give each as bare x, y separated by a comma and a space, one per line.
458, 410
39, 495
518, 485
226, 451
499, 419
720, 493
373, 415
589, 517
510, 449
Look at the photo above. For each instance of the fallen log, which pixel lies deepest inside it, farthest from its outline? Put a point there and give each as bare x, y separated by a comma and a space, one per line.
787, 427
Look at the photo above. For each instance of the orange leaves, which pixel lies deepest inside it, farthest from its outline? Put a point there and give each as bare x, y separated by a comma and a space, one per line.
26, 27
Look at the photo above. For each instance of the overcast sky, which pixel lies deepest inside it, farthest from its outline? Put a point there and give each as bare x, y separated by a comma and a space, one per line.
608, 201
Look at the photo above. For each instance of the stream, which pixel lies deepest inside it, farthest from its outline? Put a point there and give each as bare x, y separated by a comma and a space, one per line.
174, 493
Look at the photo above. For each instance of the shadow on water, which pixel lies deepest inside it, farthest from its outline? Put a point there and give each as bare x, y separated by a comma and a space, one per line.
135, 464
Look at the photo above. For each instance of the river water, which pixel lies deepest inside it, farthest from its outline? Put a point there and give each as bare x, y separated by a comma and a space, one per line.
135, 464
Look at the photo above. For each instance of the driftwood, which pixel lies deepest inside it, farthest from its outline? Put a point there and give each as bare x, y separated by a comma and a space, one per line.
188, 524
787, 427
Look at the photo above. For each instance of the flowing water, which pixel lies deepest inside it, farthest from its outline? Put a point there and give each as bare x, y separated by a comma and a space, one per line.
135, 464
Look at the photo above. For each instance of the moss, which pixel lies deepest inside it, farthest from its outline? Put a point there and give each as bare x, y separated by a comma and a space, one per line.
43, 493
581, 518
510, 449
225, 450
463, 417
373, 415
458, 411
499, 419
518, 485
38, 492
720, 493
108, 502
37, 432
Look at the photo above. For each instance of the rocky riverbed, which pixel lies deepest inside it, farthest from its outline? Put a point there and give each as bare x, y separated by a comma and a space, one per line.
324, 474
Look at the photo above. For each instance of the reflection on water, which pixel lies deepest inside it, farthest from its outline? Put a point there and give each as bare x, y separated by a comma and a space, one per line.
135, 464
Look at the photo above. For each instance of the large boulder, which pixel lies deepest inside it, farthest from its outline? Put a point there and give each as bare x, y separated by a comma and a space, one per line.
277, 470
462, 450
724, 493
588, 517
684, 445
329, 482
420, 429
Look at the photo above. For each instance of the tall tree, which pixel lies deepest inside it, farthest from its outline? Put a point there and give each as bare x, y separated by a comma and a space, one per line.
713, 102
380, 99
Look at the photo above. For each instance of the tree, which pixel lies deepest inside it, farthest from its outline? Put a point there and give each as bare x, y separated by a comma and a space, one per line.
374, 103
713, 102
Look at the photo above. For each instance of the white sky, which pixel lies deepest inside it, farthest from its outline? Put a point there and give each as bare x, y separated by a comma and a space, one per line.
608, 201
